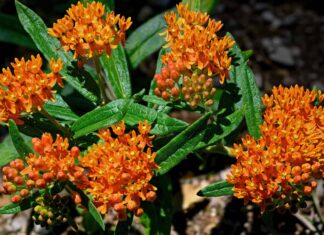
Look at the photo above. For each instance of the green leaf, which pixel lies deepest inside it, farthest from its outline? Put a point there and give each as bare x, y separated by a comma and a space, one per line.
7, 151
28, 202
50, 47
87, 202
59, 109
243, 76
101, 117
95, 214
208, 5
155, 100
13, 208
181, 145
220, 188
12, 32
123, 227
252, 103
116, 70
194, 5
166, 125
137, 112
223, 128
157, 217
145, 40
22, 148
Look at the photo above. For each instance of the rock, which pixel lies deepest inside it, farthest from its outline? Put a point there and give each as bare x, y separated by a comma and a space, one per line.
282, 55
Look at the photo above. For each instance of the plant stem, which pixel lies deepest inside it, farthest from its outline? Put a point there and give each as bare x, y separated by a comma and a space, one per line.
317, 207
102, 85
55, 122
219, 148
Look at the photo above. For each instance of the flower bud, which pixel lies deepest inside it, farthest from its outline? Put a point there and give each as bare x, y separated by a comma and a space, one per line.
48, 177
151, 196
16, 199
19, 180
119, 207
75, 151
139, 212
24, 192
175, 92
40, 183
157, 92
165, 95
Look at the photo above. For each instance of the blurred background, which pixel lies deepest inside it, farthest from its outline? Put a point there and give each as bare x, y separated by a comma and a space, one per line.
287, 39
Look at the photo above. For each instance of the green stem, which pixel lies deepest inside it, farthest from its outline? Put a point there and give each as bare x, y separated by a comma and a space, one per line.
102, 85
219, 148
55, 122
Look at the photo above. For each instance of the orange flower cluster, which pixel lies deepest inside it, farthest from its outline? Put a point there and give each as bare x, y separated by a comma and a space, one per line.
88, 31
195, 45
27, 87
280, 169
52, 162
119, 170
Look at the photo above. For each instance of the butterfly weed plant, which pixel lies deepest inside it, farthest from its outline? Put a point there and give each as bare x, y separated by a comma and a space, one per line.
107, 158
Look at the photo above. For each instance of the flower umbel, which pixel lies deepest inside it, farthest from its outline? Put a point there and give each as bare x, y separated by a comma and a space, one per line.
27, 87
119, 169
52, 162
88, 31
195, 50
280, 168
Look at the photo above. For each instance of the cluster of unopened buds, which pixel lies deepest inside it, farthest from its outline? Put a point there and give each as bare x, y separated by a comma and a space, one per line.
51, 210
53, 162
116, 172
197, 56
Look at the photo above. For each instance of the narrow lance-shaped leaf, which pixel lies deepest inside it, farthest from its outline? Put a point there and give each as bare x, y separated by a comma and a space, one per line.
145, 40
223, 128
181, 145
14, 208
59, 109
220, 188
100, 118
163, 124
22, 148
116, 70
208, 5
242, 75
194, 5
8, 151
87, 202
50, 47
28, 202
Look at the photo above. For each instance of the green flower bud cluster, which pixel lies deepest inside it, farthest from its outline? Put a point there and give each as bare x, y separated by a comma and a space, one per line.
51, 210
198, 88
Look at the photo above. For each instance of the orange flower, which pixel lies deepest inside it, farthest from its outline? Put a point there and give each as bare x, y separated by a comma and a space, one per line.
120, 168
27, 87
195, 50
52, 162
280, 168
88, 31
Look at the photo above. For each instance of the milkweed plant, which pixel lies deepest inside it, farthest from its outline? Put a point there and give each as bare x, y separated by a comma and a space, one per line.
107, 150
